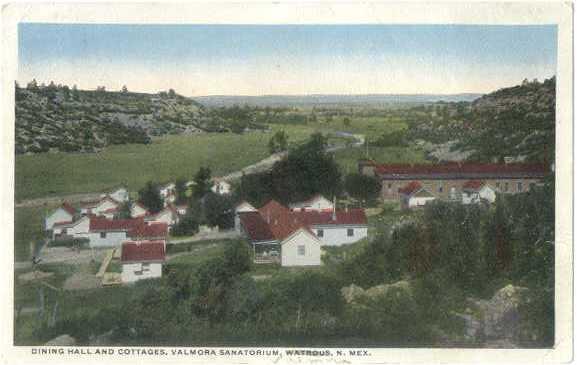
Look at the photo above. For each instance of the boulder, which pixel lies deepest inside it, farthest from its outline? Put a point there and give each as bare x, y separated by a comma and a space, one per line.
62, 340
353, 294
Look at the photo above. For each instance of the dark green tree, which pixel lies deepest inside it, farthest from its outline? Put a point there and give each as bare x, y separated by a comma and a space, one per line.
278, 142
202, 182
149, 196
363, 187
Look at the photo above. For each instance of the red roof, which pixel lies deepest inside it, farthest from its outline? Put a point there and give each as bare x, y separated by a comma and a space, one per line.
411, 188
142, 251
68, 208
473, 185
276, 222
256, 227
153, 230
456, 169
344, 217
62, 223
105, 224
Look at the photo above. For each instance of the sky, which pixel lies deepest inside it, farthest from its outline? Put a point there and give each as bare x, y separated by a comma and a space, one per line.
197, 60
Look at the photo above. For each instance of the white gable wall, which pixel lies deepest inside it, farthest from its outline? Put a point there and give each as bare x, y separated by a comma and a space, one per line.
290, 255
132, 272
104, 205
338, 235
137, 211
419, 201
59, 215
120, 195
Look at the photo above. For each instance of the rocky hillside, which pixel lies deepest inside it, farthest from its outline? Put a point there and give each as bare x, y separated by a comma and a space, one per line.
57, 118
516, 122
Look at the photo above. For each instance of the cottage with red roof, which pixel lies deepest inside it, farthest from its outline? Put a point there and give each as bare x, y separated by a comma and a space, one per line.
476, 191
414, 195
446, 181
295, 238
106, 206
142, 260
64, 214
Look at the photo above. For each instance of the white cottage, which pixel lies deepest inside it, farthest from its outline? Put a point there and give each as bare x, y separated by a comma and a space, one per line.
62, 215
475, 191
76, 229
413, 195
142, 260
106, 206
220, 187
168, 215
301, 248
168, 193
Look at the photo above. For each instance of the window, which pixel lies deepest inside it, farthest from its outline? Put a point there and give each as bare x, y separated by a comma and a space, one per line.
506, 187
440, 187
350, 232
102, 234
301, 250
64, 230
145, 268
519, 186
320, 233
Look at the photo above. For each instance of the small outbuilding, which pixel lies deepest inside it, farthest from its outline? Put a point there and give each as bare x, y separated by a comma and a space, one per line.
142, 260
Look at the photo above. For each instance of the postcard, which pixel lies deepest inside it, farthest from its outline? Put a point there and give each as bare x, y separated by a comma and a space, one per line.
312, 182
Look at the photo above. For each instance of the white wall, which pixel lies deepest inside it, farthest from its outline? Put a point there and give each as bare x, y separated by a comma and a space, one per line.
59, 215
419, 201
337, 235
289, 250
112, 239
221, 188
164, 216
129, 271
120, 195
104, 205
319, 204
77, 229
137, 211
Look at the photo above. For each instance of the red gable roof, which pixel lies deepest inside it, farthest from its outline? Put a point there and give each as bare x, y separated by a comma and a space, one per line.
68, 208
473, 185
411, 188
142, 251
352, 216
256, 227
153, 230
105, 224
276, 222
463, 169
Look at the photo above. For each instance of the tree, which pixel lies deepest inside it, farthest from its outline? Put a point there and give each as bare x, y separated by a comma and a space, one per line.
124, 211
202, 182
218, 210
124, 89
187, 226
278, 142
347, 121
32, 85
307, 170
171, 93
149, 196
363, 187
180, 191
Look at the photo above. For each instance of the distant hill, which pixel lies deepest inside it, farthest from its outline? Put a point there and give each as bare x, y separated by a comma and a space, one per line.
58, 118
312, 100
517, 122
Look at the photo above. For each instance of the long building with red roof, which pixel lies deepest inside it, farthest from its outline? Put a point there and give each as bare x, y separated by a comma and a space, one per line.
447, 180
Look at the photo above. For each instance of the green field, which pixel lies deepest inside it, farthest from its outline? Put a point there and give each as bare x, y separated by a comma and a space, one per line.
348, 158
165, 159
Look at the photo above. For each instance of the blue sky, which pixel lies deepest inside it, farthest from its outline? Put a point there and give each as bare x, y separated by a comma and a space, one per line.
287, 59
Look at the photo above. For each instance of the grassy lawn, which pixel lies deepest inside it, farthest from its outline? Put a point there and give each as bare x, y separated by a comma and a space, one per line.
165, 159
348, 158
199, 255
